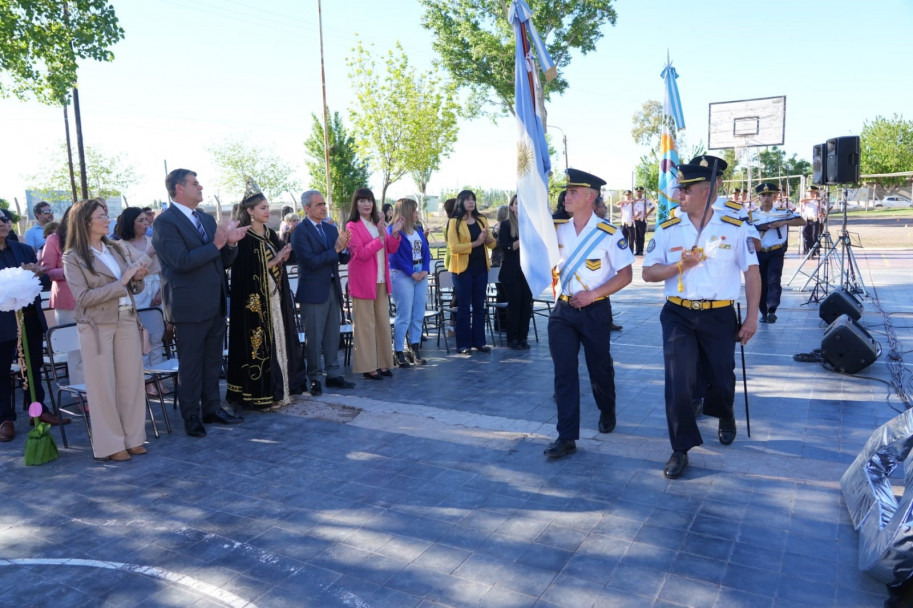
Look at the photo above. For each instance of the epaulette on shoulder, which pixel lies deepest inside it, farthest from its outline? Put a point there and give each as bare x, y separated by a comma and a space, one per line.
732, 220
606, 227
559, 222
669, 223
734, 205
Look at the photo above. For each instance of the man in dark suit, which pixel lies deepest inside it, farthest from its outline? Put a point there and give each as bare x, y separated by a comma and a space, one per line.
194, 253
320, 249
18, 255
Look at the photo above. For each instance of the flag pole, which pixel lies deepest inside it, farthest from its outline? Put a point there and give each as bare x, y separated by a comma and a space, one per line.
326, 120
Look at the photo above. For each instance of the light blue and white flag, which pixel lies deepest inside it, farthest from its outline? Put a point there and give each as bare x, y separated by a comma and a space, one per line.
538, 243
668, 154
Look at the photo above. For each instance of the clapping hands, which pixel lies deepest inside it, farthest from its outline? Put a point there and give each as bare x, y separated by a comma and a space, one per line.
343, 241
229, 233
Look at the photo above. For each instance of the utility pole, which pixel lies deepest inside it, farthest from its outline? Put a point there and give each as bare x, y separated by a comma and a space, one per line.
326, 120
564, 139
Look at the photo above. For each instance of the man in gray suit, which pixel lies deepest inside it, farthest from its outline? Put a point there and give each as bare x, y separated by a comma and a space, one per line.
320, 249
194, 254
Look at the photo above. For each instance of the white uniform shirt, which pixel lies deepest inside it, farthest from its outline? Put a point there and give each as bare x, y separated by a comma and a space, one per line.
639, 209
727, 247
627, 212
774, 236
611, 254
810, 209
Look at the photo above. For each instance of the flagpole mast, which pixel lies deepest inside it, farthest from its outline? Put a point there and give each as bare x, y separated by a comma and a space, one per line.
326, 120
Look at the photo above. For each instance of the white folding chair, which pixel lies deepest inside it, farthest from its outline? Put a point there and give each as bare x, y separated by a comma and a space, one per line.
60, 340
154, 320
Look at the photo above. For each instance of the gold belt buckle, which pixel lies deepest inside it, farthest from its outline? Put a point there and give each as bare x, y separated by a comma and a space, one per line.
696, 305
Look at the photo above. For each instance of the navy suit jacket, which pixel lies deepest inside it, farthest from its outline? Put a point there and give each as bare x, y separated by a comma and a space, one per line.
194, 286
317, 262
23, 254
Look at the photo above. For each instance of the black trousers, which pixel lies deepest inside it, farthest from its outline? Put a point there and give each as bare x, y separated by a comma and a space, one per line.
770, 265
696, 340
199, 347
519, 308
810, 233
630, 234
9, 355
640, 231
568, 328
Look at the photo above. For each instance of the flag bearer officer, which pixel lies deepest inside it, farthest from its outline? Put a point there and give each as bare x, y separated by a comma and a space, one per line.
594, 262
774, 231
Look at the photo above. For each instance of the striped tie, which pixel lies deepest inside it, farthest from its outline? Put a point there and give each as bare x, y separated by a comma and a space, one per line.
199, 225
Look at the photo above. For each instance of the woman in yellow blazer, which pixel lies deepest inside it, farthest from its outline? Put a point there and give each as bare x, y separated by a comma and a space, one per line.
102, 276
468, 241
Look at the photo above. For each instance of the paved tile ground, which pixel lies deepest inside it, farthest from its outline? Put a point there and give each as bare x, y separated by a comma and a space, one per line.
431, 489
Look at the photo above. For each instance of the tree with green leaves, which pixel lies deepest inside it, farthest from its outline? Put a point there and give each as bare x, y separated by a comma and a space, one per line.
238, 159
774, 163
106, 175
348, 172
886, 146
476, 42
41, 44
404, 121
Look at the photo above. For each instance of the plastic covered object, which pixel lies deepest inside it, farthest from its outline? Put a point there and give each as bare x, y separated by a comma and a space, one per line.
883, 522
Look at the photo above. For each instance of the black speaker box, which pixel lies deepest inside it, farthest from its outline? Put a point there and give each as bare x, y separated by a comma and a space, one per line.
819, 164
840, 302
848, 347
843, 160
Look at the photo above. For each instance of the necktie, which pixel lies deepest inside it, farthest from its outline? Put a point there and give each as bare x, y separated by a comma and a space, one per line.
323, 234
199, 225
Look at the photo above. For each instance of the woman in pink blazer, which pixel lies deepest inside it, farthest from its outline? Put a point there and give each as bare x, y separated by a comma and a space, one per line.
369, 285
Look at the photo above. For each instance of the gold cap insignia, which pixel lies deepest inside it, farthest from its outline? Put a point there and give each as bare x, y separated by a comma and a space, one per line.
704, 162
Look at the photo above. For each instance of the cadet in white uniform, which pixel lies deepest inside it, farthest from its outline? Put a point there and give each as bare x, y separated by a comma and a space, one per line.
774, 230
698, 319
595, 262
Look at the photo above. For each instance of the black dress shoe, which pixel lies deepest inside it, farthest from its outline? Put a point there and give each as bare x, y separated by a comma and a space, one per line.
316, 390
194, 427
374, 376
727, 430
560, 448
484, 349
515, 345
614, 327
763, 319
220, 416
339, 382
385, 372
606, 423
465, 351
771, 317
524, 344
676, 465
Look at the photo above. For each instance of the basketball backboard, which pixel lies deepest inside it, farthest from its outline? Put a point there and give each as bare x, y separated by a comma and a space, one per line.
747, 123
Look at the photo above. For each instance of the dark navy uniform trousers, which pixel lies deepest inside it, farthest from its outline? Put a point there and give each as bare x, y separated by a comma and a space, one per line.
770, 265
693, 339
568, 328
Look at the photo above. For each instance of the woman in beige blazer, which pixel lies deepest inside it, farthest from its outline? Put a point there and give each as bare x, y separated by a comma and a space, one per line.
103, 276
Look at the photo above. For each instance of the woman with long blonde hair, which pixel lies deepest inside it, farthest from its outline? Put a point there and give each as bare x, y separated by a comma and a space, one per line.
409, 267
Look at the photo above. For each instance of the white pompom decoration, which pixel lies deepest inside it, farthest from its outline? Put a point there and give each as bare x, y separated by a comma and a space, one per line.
18, 288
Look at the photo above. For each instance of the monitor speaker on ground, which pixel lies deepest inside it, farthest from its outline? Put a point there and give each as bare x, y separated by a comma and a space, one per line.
843, 160
840, 302
848, 347
819, 164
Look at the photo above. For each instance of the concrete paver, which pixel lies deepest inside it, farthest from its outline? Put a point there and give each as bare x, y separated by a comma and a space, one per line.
431, 489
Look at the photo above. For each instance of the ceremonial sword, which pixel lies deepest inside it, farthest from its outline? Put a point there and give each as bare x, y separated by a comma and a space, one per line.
738, 307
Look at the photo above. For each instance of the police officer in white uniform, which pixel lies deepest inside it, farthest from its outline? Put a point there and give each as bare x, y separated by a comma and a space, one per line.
698, 319
773, 226
812, 212
627, 218
641, 208
594, 262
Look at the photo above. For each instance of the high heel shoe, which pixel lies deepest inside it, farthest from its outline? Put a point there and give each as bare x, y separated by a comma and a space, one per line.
385, 372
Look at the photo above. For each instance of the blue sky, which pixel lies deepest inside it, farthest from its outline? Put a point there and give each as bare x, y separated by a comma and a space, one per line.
188, 75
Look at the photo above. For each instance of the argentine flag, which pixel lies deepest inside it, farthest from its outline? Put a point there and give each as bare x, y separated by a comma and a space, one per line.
538, 243
668, 163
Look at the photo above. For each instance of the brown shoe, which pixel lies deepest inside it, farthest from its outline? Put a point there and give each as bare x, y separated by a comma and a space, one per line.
7, 431
138, 450
119, 456
50, 419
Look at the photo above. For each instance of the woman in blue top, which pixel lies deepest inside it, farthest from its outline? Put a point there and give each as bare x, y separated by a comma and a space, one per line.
409, 267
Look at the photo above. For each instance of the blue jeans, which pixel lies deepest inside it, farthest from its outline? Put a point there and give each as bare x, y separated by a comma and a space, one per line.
409, 297
470, 326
